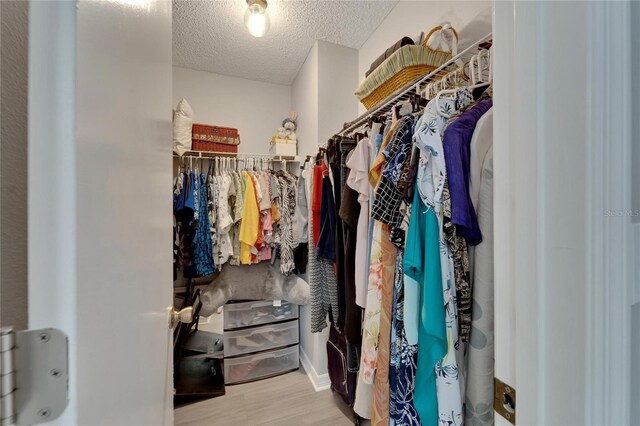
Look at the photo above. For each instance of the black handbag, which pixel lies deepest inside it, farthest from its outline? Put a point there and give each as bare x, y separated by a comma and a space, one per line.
342, 366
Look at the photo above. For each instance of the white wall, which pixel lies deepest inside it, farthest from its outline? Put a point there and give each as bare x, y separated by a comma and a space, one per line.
635, 204
337, 79
13, 164
409, 18
322, 96
304, 100
255, 108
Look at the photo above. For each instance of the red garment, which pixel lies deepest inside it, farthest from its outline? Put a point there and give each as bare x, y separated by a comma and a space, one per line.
316, 199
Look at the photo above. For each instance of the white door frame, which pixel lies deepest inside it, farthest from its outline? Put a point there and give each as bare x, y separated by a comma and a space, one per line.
562, 162
610, 229
99, 208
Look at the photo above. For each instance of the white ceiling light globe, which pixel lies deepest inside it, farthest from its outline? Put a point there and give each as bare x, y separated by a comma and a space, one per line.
256, 18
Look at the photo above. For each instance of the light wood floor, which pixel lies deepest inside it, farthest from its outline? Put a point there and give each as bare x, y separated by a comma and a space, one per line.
284, 400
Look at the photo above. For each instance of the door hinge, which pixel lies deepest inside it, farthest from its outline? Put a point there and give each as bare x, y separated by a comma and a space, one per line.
34, 376
504, 400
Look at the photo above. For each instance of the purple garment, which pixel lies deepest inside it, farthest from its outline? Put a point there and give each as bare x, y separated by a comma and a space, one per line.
456, 143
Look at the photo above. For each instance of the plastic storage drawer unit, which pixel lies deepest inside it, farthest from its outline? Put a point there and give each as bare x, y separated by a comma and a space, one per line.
246, 314
259, 366
261, 338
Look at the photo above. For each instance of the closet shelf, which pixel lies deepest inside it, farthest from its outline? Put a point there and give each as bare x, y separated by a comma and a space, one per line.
240, 155
417, 85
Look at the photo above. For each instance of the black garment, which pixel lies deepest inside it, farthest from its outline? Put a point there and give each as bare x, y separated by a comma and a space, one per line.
301, 257
349, 212
333, 157
326, 241
338, 150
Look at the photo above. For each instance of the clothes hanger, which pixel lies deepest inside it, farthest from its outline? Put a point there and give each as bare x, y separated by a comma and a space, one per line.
480, 81
474, 73
443, 91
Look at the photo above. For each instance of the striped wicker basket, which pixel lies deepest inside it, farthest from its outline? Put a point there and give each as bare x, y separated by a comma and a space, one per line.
402, 67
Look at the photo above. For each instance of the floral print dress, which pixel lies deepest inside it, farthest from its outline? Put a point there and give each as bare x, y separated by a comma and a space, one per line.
430, 183
403, 359
371, 324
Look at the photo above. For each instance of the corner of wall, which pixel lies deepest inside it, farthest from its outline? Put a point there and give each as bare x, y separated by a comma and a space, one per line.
320, 381
304, 100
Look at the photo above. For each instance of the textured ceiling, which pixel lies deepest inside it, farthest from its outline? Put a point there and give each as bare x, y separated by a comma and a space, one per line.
211, 36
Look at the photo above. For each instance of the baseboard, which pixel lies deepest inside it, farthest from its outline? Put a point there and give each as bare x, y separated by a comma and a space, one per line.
320, 382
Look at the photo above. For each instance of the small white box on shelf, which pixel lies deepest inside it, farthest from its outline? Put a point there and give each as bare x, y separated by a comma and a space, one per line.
283, 147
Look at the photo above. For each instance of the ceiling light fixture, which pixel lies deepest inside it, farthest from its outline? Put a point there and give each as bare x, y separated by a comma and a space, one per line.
256, 18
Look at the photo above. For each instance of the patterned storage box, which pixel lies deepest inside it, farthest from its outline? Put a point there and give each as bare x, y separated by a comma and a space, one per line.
214, 138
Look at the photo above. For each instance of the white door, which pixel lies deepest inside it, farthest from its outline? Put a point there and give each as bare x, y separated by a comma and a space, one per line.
564, 252
100, 243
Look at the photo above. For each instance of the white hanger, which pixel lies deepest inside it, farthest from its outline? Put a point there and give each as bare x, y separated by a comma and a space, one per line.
480, 82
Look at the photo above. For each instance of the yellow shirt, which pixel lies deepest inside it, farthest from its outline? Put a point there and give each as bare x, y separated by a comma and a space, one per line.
250, 221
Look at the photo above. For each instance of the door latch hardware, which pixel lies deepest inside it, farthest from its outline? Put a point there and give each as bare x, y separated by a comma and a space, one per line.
34, 376
183, 315
504, 400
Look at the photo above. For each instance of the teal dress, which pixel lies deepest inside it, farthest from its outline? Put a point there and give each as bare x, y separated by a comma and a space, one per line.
422, 264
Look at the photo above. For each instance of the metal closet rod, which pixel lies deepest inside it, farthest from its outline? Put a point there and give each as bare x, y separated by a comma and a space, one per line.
239, 155
409, 89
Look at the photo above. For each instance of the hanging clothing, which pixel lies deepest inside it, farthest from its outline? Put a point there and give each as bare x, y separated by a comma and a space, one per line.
316, 199
185, 230
327, 239
224, 220
363, 404
386, 206
238, 203
288, 200
249, 226
323, 282
460, 253
480, 356
203, 250
457, 138
386, 209
422, 265
481, 142
403, 359
349, 213
424, 299
371, 324
381, 383
320, 303
357, 180
302, 210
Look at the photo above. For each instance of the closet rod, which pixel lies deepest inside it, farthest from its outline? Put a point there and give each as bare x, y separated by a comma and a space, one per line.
240, 155
408, 90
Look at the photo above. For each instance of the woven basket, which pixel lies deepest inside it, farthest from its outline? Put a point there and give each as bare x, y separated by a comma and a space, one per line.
214, 138
400, 69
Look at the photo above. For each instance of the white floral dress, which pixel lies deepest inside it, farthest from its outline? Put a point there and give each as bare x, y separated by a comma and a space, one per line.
430, 184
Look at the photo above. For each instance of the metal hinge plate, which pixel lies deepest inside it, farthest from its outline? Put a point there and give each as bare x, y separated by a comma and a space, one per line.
504, 400
34, 375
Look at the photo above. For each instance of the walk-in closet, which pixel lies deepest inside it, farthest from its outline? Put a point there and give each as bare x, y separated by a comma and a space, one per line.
319, 212
333, 212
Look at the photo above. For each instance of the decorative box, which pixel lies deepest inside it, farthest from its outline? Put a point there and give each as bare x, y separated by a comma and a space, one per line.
283, 147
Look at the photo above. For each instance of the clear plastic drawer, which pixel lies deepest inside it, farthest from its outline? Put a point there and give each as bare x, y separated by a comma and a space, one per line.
261, 338
245, 314
258, 366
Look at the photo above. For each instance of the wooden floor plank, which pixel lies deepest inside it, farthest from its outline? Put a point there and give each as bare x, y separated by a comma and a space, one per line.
284, 400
